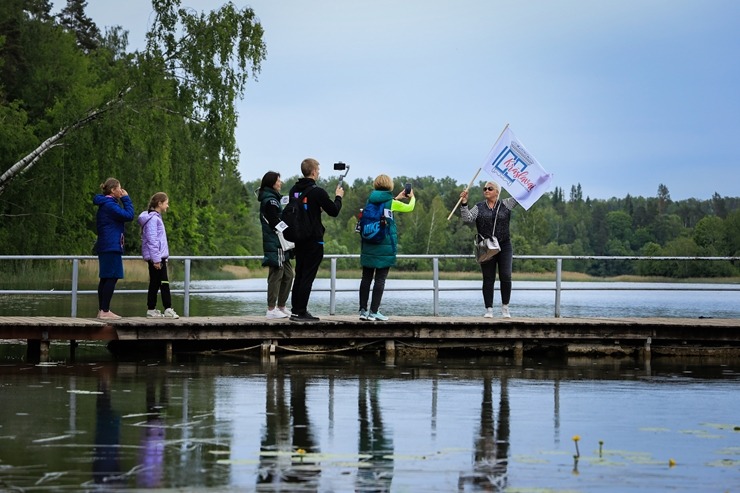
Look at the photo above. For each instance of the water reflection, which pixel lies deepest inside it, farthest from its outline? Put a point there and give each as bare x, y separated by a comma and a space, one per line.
106, 464
375, 445
151, 457
359, 424
288, 447
491, 456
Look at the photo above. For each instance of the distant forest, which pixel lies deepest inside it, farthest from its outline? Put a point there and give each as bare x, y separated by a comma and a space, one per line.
76, 107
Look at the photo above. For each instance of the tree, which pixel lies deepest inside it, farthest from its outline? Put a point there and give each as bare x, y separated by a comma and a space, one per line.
205, 58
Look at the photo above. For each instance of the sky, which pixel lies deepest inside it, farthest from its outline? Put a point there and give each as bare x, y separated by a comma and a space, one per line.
619, 96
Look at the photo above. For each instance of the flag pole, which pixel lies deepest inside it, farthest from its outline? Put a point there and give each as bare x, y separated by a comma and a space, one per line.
476, 174
466, 188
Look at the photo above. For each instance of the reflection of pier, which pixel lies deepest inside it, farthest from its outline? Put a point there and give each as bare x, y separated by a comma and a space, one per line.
641, 336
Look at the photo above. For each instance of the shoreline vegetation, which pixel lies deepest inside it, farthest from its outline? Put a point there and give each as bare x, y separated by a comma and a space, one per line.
58, 276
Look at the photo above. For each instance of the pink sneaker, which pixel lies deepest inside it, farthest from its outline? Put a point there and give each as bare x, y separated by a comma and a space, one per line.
108, 315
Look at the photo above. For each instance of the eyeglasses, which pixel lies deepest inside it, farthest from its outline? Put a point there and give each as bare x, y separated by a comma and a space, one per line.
489, 189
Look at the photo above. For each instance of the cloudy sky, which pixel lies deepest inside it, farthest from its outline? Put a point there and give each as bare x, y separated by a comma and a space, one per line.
617, 95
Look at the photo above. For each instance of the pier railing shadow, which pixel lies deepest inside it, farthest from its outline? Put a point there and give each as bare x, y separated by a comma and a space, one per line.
436, 288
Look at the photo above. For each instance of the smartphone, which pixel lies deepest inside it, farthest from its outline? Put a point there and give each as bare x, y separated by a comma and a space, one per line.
407, 189
340, 166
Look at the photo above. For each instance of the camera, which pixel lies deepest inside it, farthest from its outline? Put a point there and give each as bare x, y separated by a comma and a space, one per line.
340, 166
407, 189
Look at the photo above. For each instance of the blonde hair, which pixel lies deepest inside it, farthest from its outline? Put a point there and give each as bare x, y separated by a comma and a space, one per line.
308, 166
383, 182
494, 185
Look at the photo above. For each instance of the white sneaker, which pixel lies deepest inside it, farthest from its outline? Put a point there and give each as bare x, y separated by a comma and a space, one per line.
285, 310
489, 313
154, 314
276, 313
505, 311
170, 313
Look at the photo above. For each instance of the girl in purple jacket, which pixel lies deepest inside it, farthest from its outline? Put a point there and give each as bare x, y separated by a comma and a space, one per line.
155, 251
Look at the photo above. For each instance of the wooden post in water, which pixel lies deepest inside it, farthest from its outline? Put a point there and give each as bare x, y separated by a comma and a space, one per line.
390, 347
168, 351
519, 352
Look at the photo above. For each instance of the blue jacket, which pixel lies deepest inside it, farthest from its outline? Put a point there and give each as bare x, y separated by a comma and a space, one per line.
110, 221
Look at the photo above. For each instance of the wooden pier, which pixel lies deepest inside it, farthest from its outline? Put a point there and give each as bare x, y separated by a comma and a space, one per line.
420, 335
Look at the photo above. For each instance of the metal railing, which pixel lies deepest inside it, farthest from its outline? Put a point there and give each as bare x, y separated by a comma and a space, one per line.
436, 289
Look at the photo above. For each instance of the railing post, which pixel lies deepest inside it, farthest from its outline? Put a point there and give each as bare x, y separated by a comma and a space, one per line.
333, 287
435, 270
186, 287
75, 282
558, 279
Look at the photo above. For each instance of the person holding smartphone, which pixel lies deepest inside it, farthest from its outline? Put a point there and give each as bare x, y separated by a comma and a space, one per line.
378, 258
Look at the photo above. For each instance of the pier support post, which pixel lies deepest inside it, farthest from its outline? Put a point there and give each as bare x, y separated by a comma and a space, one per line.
647, 350
268, 348
168, 351
519, 352
390, 348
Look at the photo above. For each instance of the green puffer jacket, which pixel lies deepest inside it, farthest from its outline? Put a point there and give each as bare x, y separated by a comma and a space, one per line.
381, 255
270, 210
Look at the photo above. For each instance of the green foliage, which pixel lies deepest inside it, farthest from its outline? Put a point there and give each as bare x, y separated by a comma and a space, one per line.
167, 121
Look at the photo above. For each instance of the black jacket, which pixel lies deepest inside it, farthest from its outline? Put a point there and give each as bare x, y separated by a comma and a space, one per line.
317, 200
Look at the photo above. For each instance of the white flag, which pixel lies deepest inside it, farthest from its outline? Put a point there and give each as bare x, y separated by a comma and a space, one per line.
517, 170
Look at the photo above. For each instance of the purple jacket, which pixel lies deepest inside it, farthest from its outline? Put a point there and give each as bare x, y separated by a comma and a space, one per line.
153, 237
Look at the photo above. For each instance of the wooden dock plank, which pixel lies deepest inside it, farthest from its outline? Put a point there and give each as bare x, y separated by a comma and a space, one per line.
344, 327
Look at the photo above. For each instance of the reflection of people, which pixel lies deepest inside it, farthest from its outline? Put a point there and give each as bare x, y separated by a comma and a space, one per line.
490, 463
155, 250
484, 214
106, 461
280, 276
376, 472
378, 258
310, 253
114, 210
153, 438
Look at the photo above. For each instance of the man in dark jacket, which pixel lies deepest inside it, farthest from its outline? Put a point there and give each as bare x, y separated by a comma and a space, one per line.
310, 253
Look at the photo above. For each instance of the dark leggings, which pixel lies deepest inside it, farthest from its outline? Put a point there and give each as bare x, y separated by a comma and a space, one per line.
367, 277
502, 261
106, 286
158, 280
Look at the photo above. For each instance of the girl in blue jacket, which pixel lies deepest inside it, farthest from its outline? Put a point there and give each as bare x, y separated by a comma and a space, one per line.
114, 210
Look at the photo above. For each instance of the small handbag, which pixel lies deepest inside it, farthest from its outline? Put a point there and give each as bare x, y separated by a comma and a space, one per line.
487, 248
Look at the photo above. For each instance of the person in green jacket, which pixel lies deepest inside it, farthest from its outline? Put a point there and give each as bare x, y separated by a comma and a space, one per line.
378, 258
277, 257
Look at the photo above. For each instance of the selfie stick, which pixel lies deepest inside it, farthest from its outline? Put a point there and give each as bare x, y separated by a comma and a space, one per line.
341, 177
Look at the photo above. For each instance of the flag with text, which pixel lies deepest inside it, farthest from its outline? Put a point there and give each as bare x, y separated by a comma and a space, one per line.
517, 170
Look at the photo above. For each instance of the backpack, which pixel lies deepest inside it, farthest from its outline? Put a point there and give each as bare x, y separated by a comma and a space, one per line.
295, 215
374, 225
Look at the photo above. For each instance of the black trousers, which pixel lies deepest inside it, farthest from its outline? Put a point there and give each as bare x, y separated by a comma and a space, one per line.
158, 280
380, 276
308, 257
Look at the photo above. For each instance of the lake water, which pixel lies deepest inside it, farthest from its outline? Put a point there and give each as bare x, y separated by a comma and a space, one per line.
364, 424
404, 297
340, 424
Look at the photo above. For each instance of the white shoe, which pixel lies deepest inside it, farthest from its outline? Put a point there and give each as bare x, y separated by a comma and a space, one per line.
154, 314
505, 311
170, 313
285, 310
276, 313
489, 313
